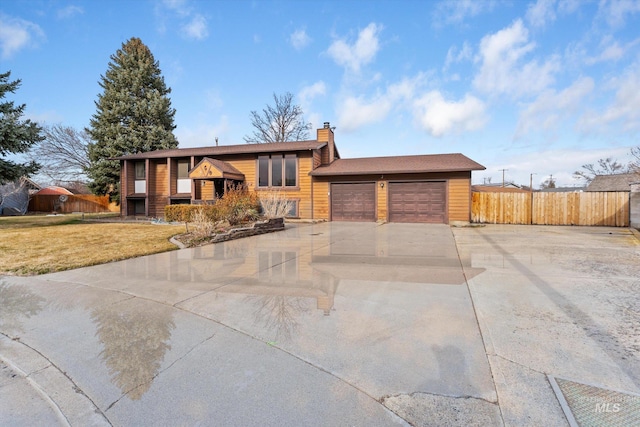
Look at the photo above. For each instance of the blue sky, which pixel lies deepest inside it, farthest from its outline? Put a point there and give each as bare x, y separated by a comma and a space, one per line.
532, 87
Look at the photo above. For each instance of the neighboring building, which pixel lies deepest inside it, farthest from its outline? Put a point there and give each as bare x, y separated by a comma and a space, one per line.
563, 190
423, 188
14, 196
54, 190
618, 182
498, 189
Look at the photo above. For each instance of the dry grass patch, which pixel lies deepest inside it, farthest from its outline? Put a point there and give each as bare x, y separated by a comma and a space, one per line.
62, 243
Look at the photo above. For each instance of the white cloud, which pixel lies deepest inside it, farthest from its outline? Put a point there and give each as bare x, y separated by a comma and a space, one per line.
69, 12
439, 116
307, 93
178, 6
299, 39
357, 111
17, 34
454, 55
541, 12
503, 69
615, 12
456, 11
353, 56
193, 25
624, 111
610, 50
196, 28
552, 108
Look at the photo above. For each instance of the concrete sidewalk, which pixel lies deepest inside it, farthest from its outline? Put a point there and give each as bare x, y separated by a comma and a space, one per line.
559, 301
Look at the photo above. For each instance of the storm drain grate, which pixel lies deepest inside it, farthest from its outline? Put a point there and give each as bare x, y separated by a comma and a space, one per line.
586, 405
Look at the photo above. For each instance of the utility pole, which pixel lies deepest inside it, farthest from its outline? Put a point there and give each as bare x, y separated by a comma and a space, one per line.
503, 171
531, 181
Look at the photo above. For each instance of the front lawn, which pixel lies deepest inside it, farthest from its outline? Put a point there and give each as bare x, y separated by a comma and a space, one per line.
44, 244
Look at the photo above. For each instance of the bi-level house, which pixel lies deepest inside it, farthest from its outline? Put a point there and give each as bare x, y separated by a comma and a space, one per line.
423, 188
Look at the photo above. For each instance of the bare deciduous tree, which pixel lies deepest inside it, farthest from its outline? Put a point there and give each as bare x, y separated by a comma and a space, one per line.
63, 153
635, 163
548, 183
281, 122
608, 166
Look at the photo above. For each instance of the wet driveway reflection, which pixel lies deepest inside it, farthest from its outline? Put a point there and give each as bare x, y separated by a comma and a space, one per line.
383, 308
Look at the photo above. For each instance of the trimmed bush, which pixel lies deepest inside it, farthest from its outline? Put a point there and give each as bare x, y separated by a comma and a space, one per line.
238, 205
185, 213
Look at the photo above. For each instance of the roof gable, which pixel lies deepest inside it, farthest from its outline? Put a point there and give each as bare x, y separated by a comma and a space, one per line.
209, 168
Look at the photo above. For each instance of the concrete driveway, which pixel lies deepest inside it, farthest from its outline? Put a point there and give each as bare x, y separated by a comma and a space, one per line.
328, 324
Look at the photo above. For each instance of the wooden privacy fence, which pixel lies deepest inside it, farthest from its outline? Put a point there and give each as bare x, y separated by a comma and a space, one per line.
74, 203
586, 208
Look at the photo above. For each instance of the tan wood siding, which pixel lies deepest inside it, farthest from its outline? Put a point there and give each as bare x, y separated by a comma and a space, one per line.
130, 176
158, 175
317, 158
305, 165
247, 165
382, 200
156, 206
173, 176
460, 197
320, 199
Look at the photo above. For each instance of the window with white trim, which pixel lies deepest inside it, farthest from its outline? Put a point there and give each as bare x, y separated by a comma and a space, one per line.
140, 184
184, 183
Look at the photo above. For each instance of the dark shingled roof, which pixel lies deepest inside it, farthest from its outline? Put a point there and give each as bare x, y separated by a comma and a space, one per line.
228, 149
618, 182
455, 162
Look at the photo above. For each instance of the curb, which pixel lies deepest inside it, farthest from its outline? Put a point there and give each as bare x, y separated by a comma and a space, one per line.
64, 397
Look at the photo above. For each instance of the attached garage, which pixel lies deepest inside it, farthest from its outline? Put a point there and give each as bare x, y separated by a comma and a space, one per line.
353, 201
418, 202
434, 188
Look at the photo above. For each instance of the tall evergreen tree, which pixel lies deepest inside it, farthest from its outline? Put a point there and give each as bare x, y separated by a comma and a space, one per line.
16, 136
133, 115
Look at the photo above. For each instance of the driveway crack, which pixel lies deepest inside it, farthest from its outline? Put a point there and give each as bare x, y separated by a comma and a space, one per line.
157, 374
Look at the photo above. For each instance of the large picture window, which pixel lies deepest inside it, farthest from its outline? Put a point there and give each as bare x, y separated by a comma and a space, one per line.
278, 170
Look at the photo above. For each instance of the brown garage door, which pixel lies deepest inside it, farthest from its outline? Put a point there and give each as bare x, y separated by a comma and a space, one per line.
353, 202
417, 202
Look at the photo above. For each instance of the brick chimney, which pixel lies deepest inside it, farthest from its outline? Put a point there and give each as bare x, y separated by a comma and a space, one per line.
325, 134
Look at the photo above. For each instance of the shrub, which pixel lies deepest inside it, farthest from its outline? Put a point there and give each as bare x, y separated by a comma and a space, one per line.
203, 225
238, 205
274, 204
185, 213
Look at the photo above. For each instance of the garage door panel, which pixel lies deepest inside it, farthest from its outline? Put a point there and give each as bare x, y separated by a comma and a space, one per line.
417, 202
353, 201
